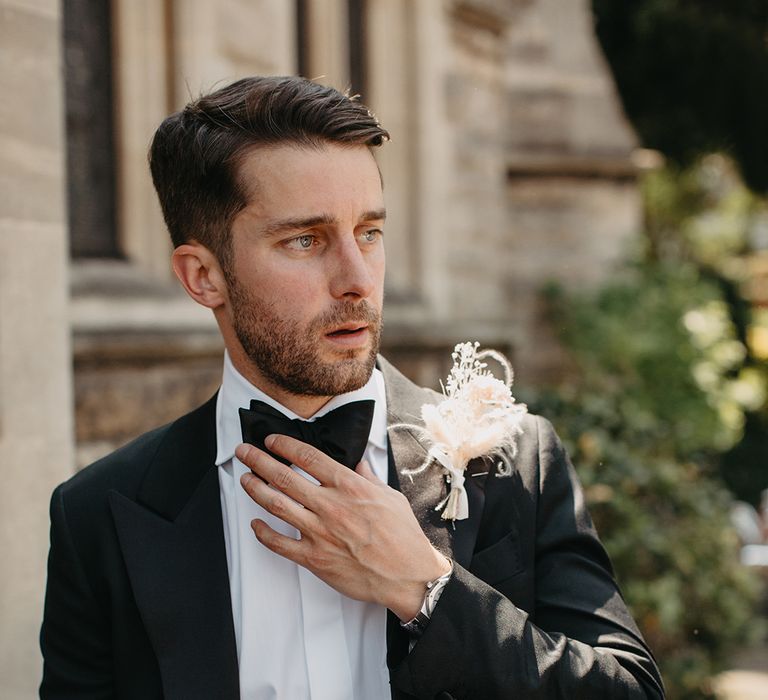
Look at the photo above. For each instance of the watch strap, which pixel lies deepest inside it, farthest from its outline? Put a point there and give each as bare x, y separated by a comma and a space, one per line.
417, 625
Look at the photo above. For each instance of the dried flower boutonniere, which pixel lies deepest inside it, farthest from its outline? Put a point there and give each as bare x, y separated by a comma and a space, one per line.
478, 417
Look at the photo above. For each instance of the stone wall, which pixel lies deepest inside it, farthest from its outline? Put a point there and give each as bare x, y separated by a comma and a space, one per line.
35, 375
572, 202
541, 185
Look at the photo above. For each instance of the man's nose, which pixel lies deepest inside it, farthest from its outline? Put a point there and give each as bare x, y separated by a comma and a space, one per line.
351, 274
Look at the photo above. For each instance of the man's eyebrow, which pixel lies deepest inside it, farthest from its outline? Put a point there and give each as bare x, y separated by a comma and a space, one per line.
374, 215
275, 228
282, 225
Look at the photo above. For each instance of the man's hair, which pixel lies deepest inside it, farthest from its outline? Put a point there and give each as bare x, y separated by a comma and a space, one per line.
195, 153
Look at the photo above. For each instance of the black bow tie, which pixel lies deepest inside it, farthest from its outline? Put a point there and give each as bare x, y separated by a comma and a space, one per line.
342, 434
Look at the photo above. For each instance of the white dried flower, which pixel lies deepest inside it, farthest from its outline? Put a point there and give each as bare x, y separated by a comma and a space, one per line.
478, 417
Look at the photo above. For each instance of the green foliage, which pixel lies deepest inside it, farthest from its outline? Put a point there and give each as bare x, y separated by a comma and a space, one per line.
705, 217
702, 213
693, 76
643, 432
670, 396
635, 340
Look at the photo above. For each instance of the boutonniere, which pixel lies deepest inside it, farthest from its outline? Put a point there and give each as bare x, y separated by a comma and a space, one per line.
478, 417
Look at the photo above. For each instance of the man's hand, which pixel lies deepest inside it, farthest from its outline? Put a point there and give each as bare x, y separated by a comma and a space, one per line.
357, 534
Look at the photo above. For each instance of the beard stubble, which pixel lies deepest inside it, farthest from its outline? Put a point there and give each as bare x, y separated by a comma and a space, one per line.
288, 354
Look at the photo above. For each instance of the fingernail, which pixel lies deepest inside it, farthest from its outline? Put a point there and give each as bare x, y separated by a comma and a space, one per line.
269, 440
245, 478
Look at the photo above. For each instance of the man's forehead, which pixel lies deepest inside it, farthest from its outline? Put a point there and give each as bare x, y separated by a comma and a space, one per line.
258, 164
295, 183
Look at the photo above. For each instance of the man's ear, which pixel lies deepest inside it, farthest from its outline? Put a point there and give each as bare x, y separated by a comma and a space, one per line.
200, 274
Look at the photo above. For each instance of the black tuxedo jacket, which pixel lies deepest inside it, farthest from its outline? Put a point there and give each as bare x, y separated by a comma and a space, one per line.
137, 603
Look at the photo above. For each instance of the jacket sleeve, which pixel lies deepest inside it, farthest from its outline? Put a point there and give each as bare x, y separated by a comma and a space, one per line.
75, 636
578, 641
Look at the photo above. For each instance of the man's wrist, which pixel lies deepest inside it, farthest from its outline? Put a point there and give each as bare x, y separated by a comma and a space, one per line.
434, 589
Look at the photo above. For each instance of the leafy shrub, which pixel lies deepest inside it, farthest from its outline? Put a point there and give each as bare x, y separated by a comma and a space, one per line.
644, 432
706, 217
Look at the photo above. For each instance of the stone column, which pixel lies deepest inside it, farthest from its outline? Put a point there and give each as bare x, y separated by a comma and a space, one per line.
328, 50
143, 98
35, 374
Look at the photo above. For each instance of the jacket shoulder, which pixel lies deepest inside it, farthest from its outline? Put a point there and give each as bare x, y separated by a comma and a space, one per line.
125, 469
118, 470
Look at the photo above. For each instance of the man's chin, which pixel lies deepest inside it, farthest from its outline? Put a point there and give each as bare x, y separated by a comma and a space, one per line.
341, 372
350, 374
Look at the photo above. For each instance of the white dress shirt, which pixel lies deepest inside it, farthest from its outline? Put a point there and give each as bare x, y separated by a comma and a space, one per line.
296, 636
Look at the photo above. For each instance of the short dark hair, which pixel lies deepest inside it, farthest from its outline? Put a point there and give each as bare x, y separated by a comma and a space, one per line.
195, 153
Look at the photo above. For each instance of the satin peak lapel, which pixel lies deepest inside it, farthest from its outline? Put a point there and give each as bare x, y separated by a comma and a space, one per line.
424, 491
173, 544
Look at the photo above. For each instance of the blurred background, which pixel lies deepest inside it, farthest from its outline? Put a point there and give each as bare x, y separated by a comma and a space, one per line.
580, 184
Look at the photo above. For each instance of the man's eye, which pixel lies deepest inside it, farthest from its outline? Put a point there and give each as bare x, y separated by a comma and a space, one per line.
301, 242
371, 235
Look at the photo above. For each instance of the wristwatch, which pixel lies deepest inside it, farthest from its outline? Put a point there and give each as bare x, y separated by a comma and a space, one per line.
418, 624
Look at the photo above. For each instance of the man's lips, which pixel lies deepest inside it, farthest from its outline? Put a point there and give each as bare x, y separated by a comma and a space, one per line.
350, 329
353, 336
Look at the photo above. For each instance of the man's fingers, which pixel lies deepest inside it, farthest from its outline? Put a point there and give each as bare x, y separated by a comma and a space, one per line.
278, 474
364, 470
280, 544
309, 458
280, 505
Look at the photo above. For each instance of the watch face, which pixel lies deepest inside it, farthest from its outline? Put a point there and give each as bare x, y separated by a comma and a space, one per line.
434, 591
416, 626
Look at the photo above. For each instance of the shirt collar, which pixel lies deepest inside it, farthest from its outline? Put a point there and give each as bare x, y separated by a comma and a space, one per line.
237, 392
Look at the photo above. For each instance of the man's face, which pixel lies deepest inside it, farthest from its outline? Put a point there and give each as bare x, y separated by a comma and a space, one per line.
307, 278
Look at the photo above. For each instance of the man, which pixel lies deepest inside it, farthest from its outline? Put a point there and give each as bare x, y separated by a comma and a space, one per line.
187, 565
